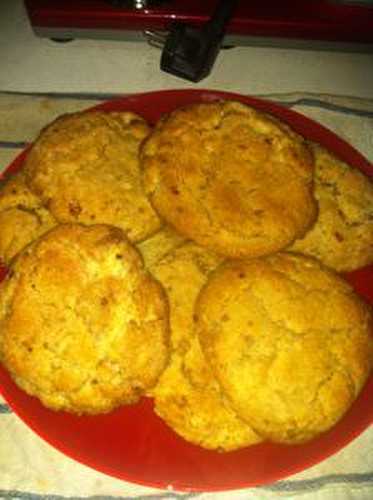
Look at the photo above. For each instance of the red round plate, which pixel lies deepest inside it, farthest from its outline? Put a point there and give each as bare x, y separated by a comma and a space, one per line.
132, 443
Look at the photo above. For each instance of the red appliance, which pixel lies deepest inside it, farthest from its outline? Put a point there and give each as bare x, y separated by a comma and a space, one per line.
315, 24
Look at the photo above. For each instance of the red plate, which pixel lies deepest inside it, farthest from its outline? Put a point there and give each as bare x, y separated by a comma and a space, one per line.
132, 443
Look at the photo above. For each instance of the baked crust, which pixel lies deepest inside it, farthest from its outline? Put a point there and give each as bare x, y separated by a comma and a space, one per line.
157, 246
23, 218
289, 341
187, 396
84, 327
230, 177
342, 237
84, 166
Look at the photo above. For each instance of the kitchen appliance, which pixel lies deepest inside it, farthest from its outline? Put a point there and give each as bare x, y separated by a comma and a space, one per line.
345, 25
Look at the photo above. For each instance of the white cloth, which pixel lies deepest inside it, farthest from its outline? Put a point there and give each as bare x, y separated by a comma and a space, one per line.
31, 469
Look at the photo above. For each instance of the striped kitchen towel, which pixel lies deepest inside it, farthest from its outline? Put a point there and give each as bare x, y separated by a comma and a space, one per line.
32, 469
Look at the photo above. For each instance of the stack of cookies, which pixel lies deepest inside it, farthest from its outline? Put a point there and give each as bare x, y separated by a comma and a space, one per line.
195, 263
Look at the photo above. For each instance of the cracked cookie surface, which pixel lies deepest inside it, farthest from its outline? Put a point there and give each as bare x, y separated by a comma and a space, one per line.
23, 218
289, 341
187, 396
84, 166
83, 325
342, 236
229, 177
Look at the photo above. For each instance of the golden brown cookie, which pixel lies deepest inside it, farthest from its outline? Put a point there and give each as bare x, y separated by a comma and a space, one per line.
230, 178
22, 217
84, 327
158, 245
289, 341
85, 168
342, 236
182, 272
187, 396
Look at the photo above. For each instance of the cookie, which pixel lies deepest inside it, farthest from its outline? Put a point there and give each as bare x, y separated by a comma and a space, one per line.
342, 237
187, 396
182, 272
84, 327
231, 178
159, 245
289, 341
84, 166
22, 217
